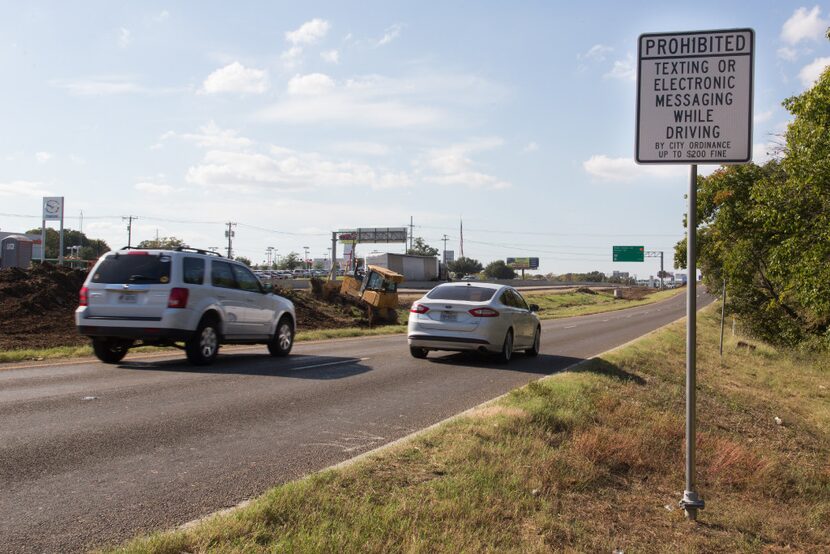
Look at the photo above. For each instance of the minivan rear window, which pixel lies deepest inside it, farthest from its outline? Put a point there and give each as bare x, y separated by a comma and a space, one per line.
147, 269
467, 293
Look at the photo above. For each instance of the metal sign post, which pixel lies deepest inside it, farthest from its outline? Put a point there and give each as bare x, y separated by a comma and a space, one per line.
694, 106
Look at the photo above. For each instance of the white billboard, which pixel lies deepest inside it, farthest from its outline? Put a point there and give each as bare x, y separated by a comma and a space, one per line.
694, 97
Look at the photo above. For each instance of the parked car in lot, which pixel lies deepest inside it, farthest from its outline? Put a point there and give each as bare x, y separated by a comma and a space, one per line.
480, 317
189, 296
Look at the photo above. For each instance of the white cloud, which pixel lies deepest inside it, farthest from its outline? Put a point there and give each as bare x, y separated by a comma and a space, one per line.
788, 54
287, 170
124, 37
236, 78
625, 170
531, 147
362, 148
764, 152
24, 188
810, 73
624, 70
377, 101
292, 57
153, 188
211, 135
596, 53
43, 157
390, 34
163, 16
763, 117
804, 25
453, 165
110, 85
309, 32
311, 84
331, 56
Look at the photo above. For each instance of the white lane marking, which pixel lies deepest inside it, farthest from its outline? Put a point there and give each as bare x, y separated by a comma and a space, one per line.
339, 362
606, 320
569, 326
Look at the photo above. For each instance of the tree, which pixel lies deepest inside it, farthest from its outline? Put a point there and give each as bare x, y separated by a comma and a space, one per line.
244, 260
465, 266
164, 243
766, 230
91, 249
291, 261
499, 270
421, 248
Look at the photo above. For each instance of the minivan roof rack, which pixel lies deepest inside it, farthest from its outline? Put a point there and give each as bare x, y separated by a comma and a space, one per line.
197, 250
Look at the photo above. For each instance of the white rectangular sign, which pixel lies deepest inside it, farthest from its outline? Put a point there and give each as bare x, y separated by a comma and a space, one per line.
52, 208
694, 97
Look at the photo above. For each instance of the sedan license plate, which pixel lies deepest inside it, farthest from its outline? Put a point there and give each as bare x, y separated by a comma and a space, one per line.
127, 298
449, 316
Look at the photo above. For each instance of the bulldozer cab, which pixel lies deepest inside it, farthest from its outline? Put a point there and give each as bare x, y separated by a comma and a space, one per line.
381, 279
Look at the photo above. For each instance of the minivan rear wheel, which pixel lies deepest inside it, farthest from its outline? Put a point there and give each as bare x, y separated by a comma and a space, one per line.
203, 346
110, 350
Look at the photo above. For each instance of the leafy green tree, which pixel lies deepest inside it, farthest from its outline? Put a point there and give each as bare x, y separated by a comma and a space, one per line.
244, 260
766, 230
91, 249
166, 243
421, 248
291, 261
499, 270
465, 266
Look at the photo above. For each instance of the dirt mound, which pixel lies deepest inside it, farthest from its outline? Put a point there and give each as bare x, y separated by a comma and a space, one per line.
37, 307
585, 290
318, 314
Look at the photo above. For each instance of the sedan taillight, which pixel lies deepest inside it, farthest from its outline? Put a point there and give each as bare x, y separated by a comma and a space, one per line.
83, 297
484, 312
178, 298
418, 309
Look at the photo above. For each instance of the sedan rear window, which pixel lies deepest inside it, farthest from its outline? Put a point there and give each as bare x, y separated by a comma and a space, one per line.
469, 293
134, 268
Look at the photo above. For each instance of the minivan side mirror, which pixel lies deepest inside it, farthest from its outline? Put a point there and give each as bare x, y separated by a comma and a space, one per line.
534, 307
267, 287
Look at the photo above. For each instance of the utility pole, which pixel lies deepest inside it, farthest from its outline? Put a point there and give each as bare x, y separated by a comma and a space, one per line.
445, 239
305, 259
229, 234
129, 219
270, 253
333, 272
411, 231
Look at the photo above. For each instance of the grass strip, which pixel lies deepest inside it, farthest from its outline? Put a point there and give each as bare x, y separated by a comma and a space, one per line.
587, 460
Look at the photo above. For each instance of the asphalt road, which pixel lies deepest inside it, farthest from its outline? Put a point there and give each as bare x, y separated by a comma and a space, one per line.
93, 454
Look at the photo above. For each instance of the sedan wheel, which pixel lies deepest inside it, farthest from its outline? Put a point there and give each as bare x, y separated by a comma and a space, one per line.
537, 340
283, 339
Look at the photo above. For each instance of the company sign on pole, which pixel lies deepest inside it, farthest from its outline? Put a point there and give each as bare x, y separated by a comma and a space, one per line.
628, 253
52, 208
694, 97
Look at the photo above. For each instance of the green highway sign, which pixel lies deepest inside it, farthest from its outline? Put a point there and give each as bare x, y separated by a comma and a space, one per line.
629, 253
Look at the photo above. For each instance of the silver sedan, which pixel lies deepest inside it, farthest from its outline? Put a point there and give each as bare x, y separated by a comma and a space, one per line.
480, 317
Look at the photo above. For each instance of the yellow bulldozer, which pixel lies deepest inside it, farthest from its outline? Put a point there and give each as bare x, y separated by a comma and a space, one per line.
377, 289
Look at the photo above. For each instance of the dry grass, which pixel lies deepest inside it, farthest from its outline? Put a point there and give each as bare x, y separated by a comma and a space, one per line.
583, 461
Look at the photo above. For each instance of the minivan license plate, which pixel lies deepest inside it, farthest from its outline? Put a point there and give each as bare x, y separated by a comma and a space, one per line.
449, 316
127, 298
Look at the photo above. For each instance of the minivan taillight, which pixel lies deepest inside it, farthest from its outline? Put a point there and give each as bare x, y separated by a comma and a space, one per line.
178, 298
418, 309
83, 297
484, 312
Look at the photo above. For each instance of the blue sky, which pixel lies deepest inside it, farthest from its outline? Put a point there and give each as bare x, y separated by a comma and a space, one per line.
295, 119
